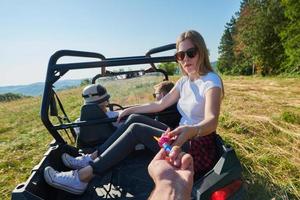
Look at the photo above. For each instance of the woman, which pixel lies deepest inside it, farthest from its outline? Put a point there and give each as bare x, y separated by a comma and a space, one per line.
198, 94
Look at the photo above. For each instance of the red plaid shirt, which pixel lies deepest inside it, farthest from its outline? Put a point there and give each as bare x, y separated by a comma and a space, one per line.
203, 150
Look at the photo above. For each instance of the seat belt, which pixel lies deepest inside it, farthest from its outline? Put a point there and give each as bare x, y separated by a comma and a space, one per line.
60, 119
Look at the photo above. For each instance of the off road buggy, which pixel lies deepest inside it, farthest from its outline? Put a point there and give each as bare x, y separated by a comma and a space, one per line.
129, 179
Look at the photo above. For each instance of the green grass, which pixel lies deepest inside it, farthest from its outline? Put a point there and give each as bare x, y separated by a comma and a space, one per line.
259, 118
290, 117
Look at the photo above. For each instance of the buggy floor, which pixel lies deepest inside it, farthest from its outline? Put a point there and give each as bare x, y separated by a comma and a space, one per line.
127, 180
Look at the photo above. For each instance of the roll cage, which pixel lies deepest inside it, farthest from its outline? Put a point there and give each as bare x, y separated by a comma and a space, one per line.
56, 71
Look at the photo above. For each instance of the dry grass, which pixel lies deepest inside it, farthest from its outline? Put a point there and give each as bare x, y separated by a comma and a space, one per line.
260, 117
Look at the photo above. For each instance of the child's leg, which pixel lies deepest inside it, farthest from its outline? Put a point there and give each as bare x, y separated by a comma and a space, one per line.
124, 145
134, 118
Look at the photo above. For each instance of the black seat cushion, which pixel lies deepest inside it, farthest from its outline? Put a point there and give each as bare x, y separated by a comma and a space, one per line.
171, 118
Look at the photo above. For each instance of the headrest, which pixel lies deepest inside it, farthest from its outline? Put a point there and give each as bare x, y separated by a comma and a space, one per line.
95, 93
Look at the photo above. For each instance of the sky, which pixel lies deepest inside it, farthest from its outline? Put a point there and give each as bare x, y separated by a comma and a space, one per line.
31, 31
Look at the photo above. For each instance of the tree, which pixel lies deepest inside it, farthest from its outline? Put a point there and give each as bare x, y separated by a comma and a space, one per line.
85, 82
257, 39
10, 97
290, 36
265, 35
169, 67
226, 59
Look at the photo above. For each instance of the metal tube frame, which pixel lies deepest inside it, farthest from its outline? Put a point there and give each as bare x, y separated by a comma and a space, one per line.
55, 71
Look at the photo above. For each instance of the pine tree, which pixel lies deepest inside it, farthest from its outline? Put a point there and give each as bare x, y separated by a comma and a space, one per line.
291, 36
226, 59
243, 60
258, 33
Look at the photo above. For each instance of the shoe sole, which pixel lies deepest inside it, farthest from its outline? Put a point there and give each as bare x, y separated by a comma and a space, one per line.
49, 180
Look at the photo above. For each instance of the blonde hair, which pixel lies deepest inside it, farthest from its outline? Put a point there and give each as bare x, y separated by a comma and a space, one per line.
204, 65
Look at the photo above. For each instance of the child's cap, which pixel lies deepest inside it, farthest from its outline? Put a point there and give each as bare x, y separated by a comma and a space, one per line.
95, 93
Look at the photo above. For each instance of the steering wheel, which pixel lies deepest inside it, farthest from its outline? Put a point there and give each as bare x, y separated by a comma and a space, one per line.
112, 105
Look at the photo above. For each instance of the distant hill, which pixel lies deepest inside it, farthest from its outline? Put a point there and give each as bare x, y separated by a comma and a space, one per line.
36, 89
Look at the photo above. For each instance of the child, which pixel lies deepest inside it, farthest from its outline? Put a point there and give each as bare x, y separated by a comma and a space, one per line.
160, 91
97, 94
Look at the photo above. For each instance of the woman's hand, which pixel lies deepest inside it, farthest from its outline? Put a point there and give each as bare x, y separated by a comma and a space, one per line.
182, 134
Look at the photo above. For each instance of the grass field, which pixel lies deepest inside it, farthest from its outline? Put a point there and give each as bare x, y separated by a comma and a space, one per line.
260, 117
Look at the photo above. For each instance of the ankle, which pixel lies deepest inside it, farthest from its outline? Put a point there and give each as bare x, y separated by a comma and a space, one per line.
94, 155
86, 174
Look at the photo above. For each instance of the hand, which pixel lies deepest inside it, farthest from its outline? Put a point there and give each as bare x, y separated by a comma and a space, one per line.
122, 114
166, 176
164, 138
182, 134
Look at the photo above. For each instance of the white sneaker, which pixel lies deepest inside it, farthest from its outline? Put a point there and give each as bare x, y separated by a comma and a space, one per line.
67, 181
76, 162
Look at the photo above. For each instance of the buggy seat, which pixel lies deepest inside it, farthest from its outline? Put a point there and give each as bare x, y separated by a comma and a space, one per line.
92, 135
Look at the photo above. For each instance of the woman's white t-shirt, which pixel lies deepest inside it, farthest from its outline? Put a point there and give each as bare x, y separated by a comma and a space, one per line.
191, 103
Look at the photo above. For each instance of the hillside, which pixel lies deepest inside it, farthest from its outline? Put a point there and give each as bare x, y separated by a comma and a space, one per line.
36, 89
260, 117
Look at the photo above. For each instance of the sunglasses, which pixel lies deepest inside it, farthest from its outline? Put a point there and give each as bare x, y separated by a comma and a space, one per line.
191, 53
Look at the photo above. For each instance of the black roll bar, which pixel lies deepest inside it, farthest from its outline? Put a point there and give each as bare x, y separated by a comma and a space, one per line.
149, 70
159, 50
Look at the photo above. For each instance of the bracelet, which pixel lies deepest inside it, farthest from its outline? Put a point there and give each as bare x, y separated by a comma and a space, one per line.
197, 131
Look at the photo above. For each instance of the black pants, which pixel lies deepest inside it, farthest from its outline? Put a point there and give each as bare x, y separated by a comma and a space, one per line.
136, 129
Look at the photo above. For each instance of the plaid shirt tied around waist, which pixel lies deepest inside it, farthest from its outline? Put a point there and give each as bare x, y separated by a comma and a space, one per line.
204, 151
